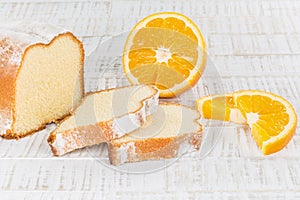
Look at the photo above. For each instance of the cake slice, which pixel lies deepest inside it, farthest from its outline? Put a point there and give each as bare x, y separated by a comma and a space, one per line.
169, 132
103, 116
41, 77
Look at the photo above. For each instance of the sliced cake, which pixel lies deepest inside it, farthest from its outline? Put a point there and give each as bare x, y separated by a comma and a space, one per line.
169, 132
41, 73
103, 116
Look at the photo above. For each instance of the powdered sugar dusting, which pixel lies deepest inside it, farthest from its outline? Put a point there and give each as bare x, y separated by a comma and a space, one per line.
5, 124
184, 148
190, 145
128, 123
65, 143
10, 52
59, 143
125, 151
15, 38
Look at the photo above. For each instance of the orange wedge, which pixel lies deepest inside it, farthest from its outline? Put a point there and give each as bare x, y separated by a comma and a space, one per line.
165, 49
272, 119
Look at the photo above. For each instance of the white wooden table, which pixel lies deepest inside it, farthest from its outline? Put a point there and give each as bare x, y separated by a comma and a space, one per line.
252, 44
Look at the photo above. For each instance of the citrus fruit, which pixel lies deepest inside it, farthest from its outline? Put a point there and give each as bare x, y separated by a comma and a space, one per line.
165, 49
272, 119
220, 107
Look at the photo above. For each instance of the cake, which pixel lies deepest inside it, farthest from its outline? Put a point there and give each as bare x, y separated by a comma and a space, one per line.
103, 116
170, 132
41, 73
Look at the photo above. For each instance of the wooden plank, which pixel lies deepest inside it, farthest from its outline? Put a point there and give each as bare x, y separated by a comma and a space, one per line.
33, 195
251, 45
188, 175
104, 17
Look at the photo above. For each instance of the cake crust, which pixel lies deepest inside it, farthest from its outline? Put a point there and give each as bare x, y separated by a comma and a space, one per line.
155, 148
70, 140
12, 51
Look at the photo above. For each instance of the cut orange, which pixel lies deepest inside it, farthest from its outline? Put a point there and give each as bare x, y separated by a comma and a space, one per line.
165, 49
220, 107
272, 119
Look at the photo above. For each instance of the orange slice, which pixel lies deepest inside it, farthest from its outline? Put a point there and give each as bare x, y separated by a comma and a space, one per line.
272, 119
165, 49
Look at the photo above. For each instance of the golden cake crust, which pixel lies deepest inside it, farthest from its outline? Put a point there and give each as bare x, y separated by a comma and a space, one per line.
10, 66
8, 72
153, 149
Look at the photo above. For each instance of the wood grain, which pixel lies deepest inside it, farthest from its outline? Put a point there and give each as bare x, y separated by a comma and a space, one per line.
251, 45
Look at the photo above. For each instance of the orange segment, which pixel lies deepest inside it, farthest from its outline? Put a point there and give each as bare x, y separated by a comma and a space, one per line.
272, 119
167, 50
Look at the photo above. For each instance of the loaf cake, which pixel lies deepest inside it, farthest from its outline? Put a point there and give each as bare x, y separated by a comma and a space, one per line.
169, 132
103, 116
41, 73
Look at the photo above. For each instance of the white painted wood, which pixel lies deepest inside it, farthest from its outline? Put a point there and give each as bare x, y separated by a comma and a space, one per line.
251, 45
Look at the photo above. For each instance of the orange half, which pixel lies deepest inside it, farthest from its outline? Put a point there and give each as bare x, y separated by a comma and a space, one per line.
167, 50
